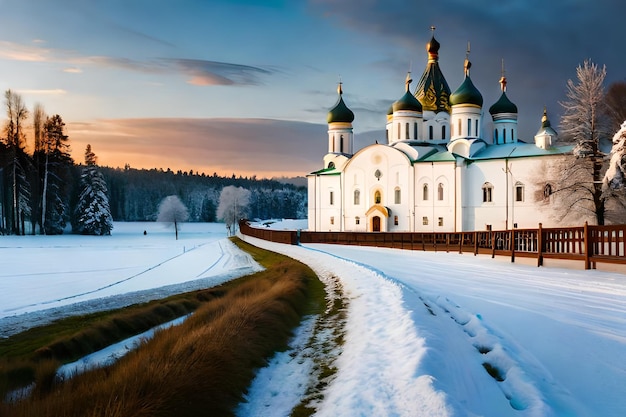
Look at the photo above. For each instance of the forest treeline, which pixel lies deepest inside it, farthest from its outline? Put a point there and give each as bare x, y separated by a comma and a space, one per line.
134, 194
44, 190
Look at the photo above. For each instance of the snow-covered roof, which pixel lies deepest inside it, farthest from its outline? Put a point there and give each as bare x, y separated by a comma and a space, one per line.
517, 150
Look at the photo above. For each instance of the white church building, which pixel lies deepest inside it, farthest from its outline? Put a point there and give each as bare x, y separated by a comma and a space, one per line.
436, 171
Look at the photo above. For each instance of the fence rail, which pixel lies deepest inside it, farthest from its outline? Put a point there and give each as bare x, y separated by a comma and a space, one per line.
588, 244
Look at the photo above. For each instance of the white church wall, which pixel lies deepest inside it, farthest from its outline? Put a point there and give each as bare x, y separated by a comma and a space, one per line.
434, 209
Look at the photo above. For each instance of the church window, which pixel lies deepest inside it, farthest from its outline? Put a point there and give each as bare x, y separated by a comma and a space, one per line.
408, 131
469, 127
512, 135
440, 221
519, 191
440, 192
332, 219
341, 143
547, 191
487, 193
357, 220
415, 131
460, 132
425, 221
332, 198
397, 195
503, 135
331, 165
357, 197
398, 130
476, 128
395, 220
377, 198
495, 136
443, 132
430, 132
425, 192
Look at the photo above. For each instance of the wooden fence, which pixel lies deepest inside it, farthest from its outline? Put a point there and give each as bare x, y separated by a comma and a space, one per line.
588, 244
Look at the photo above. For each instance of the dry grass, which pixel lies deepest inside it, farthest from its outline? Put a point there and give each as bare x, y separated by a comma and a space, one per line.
201, 367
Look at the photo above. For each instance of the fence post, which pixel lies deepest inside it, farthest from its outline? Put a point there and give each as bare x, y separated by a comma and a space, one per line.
493, 244
512, 243
587, 245
540, 244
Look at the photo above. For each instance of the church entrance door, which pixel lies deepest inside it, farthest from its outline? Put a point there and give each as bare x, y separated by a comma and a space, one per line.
375, 224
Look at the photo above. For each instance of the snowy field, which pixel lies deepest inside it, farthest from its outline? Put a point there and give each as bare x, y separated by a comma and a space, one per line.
420, 325
47, 277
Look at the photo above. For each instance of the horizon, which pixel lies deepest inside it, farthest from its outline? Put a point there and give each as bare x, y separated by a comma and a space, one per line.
246, 87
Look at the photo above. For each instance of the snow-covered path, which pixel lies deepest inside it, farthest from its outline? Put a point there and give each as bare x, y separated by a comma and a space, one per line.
422, 325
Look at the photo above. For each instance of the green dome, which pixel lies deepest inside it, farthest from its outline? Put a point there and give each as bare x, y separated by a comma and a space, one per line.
340, 113
407, 102
503, 105
467, 94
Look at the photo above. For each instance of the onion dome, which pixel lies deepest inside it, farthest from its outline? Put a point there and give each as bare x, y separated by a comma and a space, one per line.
340, 112
503, 105
408, 100
467, 93
432, 89
546, 128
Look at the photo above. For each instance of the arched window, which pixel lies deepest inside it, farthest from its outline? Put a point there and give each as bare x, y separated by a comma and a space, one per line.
440, 192
460, 132
331, 165
547, 191
341, 143
443, 132
430, 132
512, 135
495, 136
519, 191
415, 130
397, 195
332, 198
357, 220
377, 197
476, 127
357, 197
469, 127
396, 221
399, 131
487, 193
425, 192
408, 132
503, 135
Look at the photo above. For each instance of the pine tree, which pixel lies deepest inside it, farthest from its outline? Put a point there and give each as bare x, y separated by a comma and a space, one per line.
55, 161
92, 214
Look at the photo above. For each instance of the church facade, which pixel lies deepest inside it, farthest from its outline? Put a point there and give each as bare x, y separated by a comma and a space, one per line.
436, 171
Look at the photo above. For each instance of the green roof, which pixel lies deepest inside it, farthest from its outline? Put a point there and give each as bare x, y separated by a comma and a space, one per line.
466, 94
503, 105
340, 113
407, 102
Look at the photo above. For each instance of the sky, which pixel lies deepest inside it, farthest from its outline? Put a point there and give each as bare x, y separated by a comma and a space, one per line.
417, 329
245, 86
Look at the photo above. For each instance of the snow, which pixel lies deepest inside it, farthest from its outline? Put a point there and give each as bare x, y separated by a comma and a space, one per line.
419, 329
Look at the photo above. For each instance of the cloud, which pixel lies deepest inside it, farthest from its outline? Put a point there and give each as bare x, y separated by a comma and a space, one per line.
219, 73
201, 72
262, 147
56, 91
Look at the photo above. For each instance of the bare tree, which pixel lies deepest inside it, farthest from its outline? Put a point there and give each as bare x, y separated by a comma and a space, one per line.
615, 107
172, 210
233, 206
583, 123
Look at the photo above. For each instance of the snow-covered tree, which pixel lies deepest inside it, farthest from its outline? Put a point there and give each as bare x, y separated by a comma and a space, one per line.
615, 176
92, 214
233, 206
584, 123
172, 210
